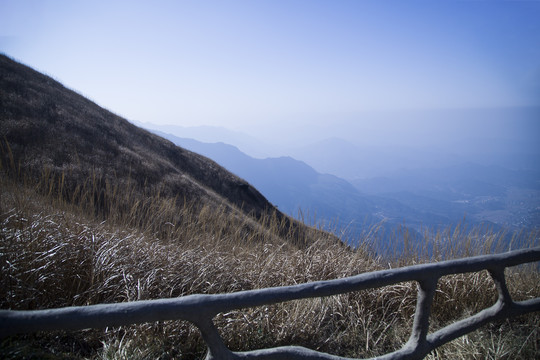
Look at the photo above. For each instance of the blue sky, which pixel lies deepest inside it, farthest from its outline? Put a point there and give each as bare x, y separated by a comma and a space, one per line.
241, 64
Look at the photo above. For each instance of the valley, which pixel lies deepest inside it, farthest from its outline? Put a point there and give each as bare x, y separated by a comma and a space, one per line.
422, 196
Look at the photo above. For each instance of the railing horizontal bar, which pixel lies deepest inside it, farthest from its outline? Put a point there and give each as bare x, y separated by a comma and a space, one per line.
196, 307
286, 353
376, 279
189, 308
434, 340
467, 325
301, 353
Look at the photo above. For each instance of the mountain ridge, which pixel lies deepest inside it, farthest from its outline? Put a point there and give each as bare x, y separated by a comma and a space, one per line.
464, 193
292, 185
47, 127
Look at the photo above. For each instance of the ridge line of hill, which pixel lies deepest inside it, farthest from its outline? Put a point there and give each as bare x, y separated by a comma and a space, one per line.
48, 126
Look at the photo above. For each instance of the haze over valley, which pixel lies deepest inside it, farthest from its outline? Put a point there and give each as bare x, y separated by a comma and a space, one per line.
485, 173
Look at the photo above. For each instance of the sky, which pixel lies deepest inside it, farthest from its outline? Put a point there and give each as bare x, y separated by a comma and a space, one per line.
270, 65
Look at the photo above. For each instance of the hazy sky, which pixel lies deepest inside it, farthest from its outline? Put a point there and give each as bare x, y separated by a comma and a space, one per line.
242, 63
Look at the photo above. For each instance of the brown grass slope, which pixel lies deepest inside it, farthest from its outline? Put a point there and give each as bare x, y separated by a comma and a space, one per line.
47, 126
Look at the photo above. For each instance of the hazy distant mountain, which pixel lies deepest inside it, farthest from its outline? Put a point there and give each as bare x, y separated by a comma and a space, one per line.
214, 134
349, 161
417, 198
482, 165
493, 182
290, 184
370, 144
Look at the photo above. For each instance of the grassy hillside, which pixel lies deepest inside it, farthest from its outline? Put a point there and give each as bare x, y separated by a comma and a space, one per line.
50, 127
94, 210
54, 135
54, 253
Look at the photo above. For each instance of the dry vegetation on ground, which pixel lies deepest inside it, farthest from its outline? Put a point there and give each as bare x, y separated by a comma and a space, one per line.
56, 253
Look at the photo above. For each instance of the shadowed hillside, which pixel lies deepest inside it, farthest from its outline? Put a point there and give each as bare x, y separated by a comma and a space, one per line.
47, 127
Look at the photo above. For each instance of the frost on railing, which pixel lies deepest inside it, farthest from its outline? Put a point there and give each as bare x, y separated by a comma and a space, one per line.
201, 309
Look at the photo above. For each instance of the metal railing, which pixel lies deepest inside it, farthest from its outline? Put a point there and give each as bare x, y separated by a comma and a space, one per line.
201, 309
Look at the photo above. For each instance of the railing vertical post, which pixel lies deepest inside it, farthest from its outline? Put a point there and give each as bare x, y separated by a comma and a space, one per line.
420, 328
497, 274
216, 346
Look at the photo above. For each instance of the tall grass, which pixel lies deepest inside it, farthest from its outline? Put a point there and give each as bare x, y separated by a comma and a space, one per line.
102, 242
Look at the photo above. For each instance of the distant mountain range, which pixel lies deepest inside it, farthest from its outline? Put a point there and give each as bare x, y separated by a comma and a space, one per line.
437, 191
292, 185
351, 161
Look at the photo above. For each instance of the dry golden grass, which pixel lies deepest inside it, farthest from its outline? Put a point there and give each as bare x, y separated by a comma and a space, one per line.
59, 251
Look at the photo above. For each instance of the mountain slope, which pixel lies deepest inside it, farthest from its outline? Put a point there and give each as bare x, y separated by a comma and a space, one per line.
47, 126
290, 184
